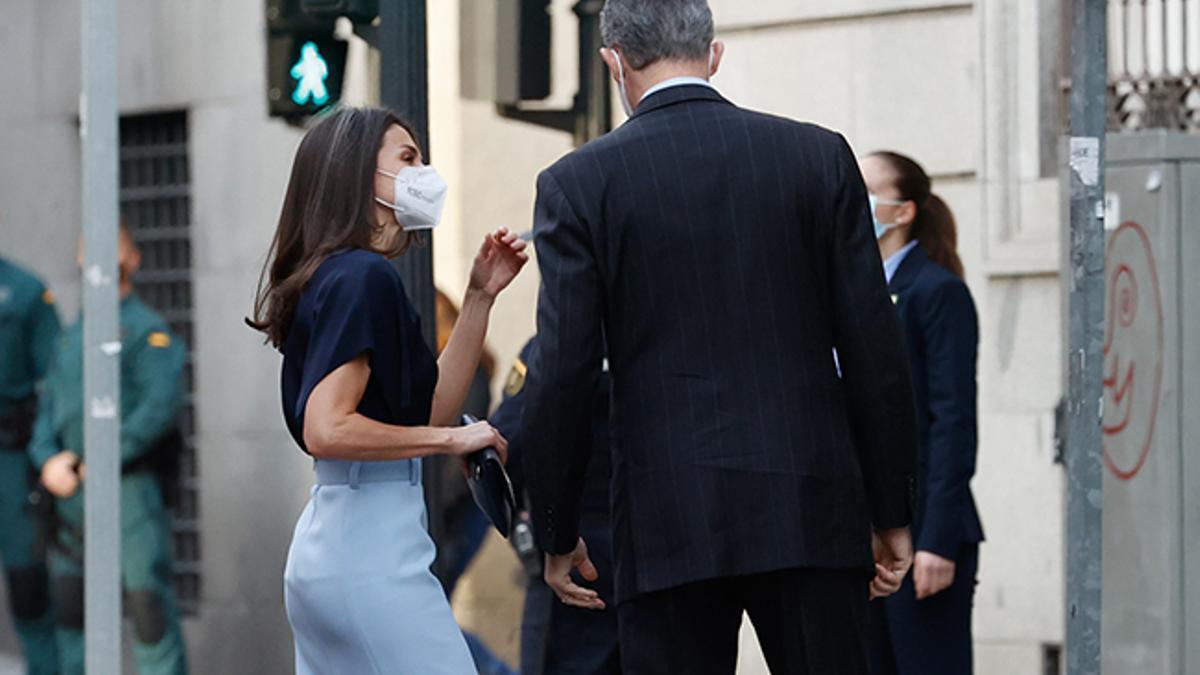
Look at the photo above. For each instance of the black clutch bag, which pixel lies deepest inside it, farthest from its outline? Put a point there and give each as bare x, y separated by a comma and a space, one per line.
490, 487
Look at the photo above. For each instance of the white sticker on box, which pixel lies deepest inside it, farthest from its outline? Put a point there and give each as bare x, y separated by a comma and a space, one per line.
1085, 159
1112, 210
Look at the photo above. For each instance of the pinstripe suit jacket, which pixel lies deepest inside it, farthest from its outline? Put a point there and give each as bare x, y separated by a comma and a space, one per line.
723, 254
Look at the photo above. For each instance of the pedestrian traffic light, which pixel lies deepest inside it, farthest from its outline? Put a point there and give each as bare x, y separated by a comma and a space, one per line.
305, 61
358, 11
505, 50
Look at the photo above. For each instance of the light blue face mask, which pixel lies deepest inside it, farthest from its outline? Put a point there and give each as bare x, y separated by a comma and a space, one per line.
881, 228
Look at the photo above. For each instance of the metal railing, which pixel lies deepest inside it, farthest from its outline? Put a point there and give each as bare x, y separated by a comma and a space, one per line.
1154, 65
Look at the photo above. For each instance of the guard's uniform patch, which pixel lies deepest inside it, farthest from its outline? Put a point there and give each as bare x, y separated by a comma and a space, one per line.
516, 378
159, 339
48, 297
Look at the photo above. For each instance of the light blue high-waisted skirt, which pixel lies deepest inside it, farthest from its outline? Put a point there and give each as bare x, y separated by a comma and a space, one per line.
360, 596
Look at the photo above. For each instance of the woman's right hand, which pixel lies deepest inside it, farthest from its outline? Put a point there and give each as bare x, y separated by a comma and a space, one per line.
478, 436
500, 258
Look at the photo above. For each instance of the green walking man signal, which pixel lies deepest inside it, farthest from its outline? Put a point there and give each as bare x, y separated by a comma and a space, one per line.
310, 73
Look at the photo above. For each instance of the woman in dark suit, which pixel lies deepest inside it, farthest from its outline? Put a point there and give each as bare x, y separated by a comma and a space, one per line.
926, 626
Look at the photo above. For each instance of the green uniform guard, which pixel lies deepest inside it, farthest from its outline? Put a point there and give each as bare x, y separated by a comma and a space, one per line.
28, 332
152, 361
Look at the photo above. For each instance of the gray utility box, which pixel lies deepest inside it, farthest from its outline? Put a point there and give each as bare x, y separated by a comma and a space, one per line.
1151, 405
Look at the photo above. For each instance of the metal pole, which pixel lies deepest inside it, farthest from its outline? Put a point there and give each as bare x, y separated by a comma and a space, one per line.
593, 117
404, 87
1089, 88
101, 339
589, 116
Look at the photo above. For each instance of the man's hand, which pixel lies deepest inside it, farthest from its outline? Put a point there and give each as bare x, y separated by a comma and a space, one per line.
932, 574
558, 577
59, 474
893, 557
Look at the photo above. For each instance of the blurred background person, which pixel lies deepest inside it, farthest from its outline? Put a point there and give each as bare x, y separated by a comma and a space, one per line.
926, 626
152, 361
465, 525
364, 395
558, 639
28, 335
479, 397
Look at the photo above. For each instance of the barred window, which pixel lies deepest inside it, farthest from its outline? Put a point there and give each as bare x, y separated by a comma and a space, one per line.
156, 203
1153, 64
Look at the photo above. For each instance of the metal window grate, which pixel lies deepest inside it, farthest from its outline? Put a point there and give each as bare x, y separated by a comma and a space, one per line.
1153, 64
156, 202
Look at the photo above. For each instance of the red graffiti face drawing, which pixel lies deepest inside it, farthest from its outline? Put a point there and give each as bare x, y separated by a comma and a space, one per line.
1132, 351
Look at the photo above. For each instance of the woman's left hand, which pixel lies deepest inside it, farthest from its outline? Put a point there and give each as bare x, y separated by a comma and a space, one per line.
932, 574
500, 258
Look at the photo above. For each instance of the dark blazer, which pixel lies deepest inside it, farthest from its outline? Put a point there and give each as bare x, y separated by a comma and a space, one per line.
723, 254
941, 329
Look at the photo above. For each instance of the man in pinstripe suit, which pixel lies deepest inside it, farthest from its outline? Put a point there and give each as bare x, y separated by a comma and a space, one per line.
722, 255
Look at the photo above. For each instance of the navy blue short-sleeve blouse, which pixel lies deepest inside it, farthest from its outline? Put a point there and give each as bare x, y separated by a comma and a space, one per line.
355, 303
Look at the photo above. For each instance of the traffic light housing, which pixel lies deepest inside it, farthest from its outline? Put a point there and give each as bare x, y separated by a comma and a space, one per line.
505, 50
358, 11
305, 61
533, 55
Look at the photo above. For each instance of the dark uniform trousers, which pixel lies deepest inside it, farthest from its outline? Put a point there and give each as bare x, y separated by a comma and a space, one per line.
808, 621
557, 639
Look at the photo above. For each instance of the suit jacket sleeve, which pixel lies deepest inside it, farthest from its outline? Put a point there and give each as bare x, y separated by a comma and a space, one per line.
951, 336
561, 379
878, 386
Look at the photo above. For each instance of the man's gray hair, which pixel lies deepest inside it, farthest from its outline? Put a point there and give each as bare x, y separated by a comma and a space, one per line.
652, 30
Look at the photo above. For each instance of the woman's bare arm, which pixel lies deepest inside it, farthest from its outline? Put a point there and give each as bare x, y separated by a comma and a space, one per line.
460, 359
333, 429
501, 256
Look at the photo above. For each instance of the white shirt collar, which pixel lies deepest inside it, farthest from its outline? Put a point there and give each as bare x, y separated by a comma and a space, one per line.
676, 82
893, 261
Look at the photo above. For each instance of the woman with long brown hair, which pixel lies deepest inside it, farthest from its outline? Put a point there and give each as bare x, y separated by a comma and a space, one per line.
926, 626
365, 397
